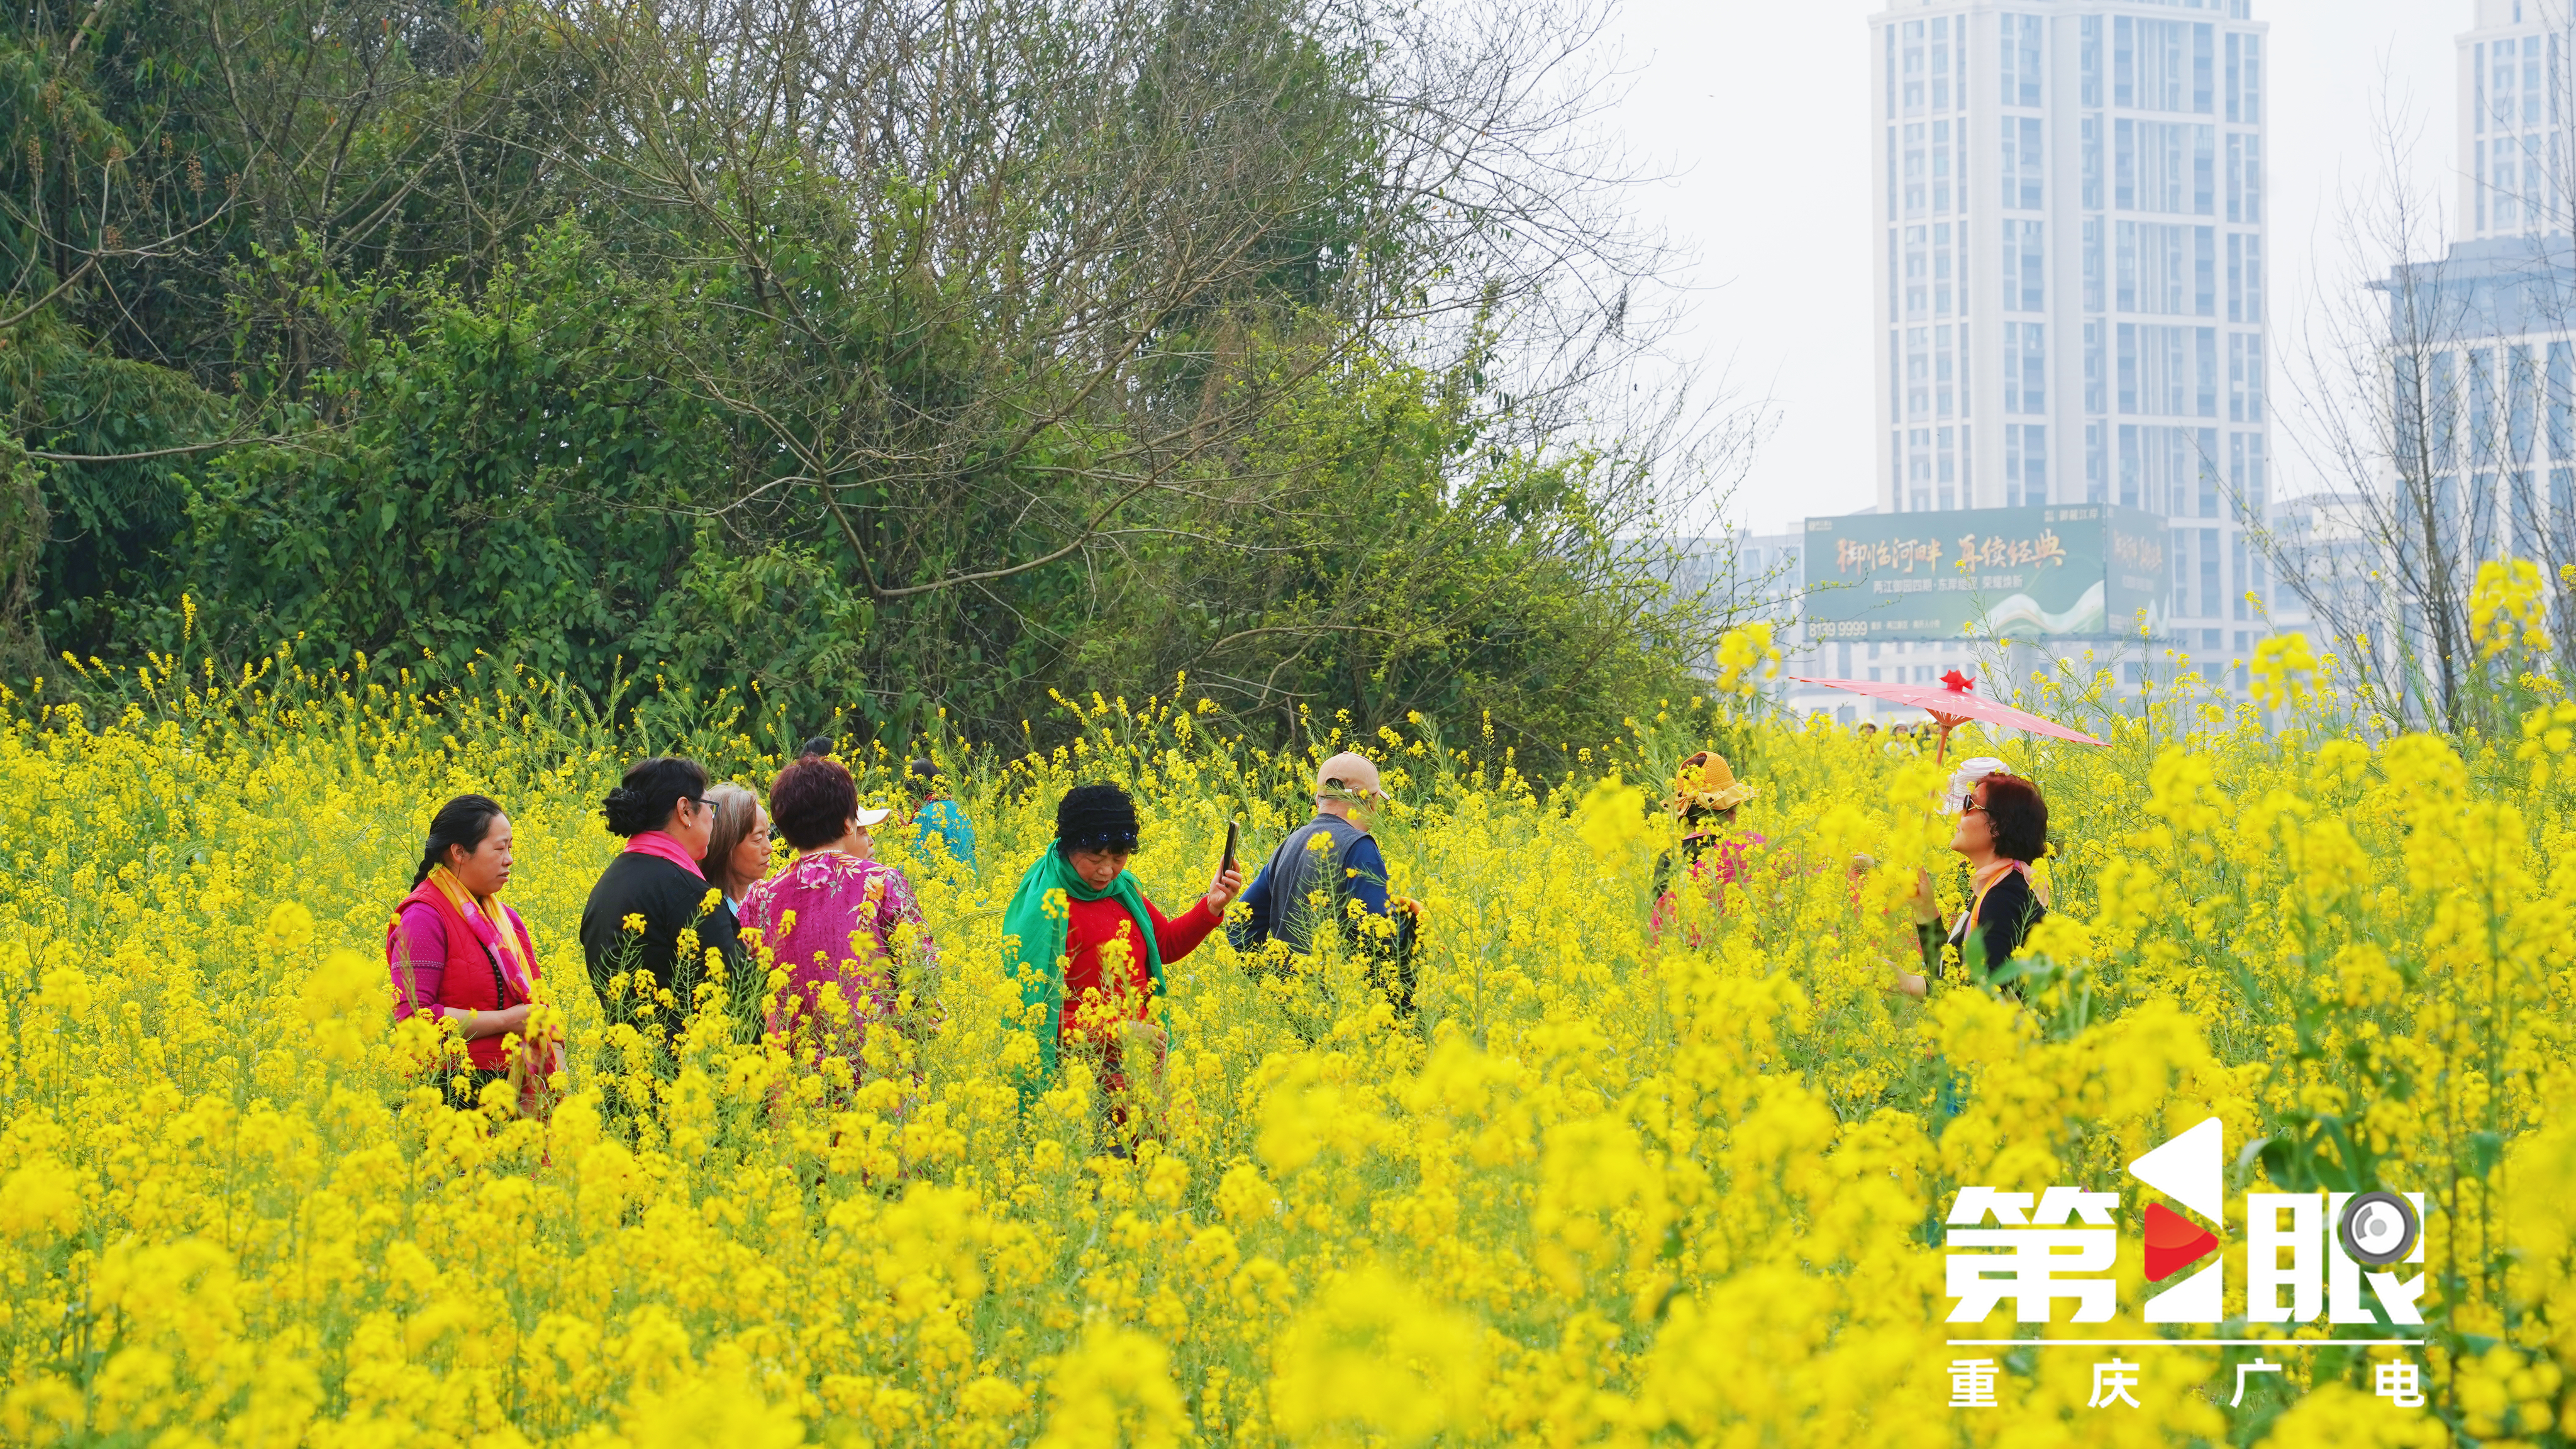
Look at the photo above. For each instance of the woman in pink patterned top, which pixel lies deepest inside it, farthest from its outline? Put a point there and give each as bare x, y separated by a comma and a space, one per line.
832, 920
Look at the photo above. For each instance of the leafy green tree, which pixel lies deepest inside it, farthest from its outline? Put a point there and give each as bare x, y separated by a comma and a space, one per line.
865, 362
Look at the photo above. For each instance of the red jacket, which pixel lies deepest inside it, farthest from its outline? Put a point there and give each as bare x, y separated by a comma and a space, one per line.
1090, 924
472, 979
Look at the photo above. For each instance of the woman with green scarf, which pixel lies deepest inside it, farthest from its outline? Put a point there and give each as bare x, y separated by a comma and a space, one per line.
1081, 938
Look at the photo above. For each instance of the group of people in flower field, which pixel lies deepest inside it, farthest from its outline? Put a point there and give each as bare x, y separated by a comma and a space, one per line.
812, 948
2002, 830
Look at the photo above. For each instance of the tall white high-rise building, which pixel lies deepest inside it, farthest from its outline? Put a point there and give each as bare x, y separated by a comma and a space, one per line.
2071, 211
2512, 106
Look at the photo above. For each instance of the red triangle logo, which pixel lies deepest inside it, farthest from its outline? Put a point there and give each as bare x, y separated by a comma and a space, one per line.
2174, 1242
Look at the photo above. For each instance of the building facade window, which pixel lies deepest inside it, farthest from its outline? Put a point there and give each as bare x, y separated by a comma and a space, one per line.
2025, 271
2522, 402
2025, 367
2168, 371
2245, 79
2244, 178
1914, 65
2560, 385
2244, 377
2169, 470
2245, 471
2022, 69
2482, 399
2244, 277
1918, 270
2167, 269
2088, 60
2090, 142
2024, 173
1917, 168
2164, 166
2162, 65
2441, 405
2025, 464
2092, 245
2096, 384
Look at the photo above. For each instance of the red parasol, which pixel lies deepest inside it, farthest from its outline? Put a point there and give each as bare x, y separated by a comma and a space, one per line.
1952, 703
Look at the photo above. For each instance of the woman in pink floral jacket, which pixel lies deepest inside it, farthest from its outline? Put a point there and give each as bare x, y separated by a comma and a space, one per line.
834, 920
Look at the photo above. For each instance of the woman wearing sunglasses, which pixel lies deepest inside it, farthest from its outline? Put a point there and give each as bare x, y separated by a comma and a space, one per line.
2003, 827
654, 898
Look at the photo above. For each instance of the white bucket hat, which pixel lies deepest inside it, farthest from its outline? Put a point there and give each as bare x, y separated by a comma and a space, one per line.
1963, 781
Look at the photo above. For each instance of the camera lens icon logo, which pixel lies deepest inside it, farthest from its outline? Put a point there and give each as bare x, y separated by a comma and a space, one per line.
2378, 1228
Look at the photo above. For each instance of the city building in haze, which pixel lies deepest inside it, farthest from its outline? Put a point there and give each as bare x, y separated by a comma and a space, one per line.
2512, 105
2071, 300
2480, 440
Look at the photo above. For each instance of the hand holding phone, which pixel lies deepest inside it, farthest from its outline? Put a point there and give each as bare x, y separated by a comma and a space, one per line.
1229, 876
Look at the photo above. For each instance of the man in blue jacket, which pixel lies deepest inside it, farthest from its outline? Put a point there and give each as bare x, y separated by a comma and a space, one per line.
1323, 868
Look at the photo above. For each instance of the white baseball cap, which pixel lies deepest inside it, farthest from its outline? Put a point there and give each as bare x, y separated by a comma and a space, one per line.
870, 819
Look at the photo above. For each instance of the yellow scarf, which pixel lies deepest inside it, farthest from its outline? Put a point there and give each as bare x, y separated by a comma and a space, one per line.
503, 938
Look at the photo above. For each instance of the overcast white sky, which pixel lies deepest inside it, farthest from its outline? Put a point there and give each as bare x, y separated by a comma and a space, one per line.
1758, 110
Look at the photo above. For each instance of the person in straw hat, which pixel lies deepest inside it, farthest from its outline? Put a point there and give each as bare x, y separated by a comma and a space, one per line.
1705, 796
1331, 868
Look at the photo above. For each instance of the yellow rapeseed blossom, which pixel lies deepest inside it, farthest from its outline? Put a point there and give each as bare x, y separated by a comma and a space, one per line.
2506, 607
2283, 671
1746, 659
1617, 1179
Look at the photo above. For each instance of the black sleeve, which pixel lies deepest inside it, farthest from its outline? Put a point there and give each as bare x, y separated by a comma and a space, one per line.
609, 948
680, 904
670, 900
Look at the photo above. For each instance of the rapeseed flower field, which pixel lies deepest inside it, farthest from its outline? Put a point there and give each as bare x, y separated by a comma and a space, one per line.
1609, 1186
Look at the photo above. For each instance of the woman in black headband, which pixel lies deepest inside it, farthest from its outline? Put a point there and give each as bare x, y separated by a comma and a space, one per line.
1083, 939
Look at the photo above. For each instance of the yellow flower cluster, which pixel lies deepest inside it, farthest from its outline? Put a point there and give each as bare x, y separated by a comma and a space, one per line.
2506, 607
2284, 671
1746, 659
1615, 1183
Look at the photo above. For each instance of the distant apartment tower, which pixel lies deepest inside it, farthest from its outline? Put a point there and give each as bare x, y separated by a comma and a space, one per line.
2513, 100
2071, 208
2482, 354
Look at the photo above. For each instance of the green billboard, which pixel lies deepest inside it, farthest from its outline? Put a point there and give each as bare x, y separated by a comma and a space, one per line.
2072, 572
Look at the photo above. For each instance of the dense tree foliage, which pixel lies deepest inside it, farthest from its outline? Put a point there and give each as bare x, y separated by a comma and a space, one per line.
877, 357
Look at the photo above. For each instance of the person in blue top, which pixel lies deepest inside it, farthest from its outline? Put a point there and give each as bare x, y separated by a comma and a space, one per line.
938, 815
1323, 869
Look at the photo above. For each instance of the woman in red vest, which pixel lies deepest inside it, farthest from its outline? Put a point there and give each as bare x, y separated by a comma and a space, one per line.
460, 955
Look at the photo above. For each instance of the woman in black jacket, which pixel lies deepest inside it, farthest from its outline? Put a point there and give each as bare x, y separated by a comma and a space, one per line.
653, 895
2003, 827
